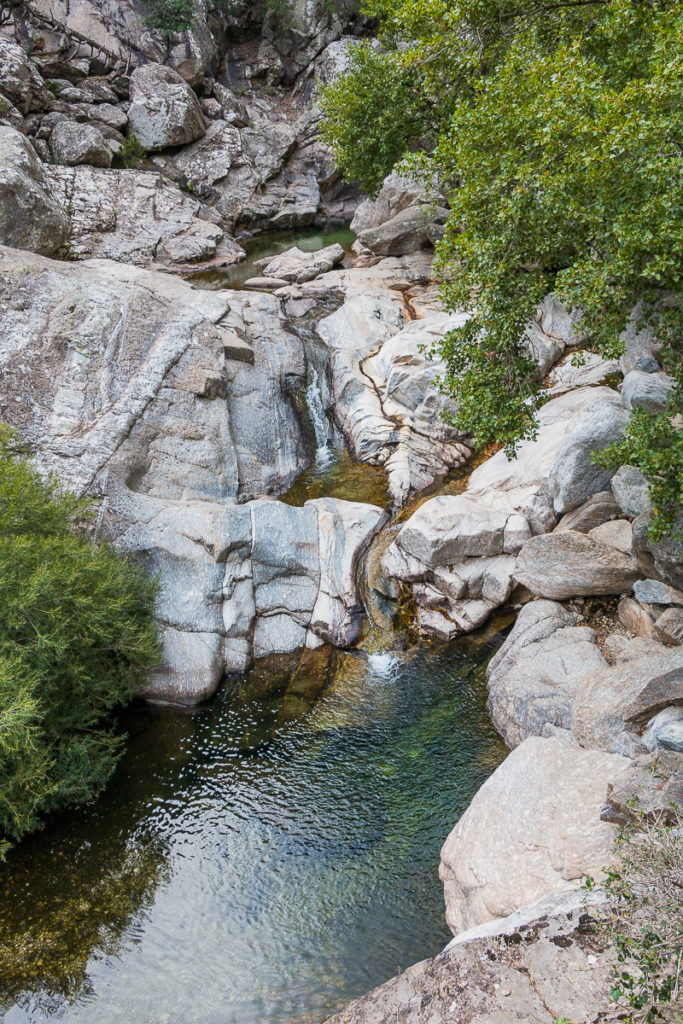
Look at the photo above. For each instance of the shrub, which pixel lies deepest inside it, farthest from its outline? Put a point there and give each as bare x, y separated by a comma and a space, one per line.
555, 130
132, 152
169, 16
76, 638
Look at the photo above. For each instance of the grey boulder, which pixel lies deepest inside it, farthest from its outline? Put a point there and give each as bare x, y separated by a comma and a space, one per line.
612, 707
409, 230
650, 391
20, 81
630, 490
72, 143
164, 111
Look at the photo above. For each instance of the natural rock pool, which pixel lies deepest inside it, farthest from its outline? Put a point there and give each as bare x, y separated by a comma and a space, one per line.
262, 859
273, 853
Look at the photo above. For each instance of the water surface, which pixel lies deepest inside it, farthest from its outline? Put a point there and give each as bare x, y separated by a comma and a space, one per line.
265, 858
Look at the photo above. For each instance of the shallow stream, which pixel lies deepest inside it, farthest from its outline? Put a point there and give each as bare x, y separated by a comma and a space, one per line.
270, 855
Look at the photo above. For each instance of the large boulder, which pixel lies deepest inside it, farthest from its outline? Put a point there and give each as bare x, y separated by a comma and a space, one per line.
164, 111
398, 192
31, 216
650, 391
532, 829
296, 265
571, 564
534, 677
448, 528
73, 143
612, 707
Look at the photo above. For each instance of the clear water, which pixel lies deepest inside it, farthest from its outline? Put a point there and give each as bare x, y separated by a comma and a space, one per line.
270, 244
264, 859
273, 854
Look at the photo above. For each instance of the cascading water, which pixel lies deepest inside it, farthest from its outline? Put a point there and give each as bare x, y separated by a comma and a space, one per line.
314, 400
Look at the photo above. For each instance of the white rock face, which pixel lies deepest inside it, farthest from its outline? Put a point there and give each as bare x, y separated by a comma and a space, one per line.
171, 405
554, 474
533, 829
243, 581
31, 216
164, 111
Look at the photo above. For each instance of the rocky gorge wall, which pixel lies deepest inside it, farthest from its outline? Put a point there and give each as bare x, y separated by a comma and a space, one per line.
180, 411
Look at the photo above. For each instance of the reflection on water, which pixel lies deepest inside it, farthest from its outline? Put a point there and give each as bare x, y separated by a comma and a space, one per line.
270, 244
263, 859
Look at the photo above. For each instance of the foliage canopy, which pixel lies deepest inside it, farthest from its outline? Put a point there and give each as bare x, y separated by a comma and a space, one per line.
556, 130
76, 637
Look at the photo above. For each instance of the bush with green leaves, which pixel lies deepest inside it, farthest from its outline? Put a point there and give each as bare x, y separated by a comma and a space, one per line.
77, 638
169, 16
556, 131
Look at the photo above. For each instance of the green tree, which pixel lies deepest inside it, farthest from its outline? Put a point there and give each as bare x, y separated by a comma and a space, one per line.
556, 130
76, 638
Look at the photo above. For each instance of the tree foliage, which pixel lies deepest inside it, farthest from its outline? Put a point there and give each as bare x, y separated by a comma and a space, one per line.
76, 637
556, 130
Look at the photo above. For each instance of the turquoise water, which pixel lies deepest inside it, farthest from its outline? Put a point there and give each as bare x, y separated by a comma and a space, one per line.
265, 858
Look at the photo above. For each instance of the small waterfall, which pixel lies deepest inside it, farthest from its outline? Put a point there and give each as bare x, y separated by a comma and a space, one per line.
316, 410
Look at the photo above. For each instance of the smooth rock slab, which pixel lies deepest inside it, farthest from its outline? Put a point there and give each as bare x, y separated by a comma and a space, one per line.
570, 564
554, 474
532, 829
